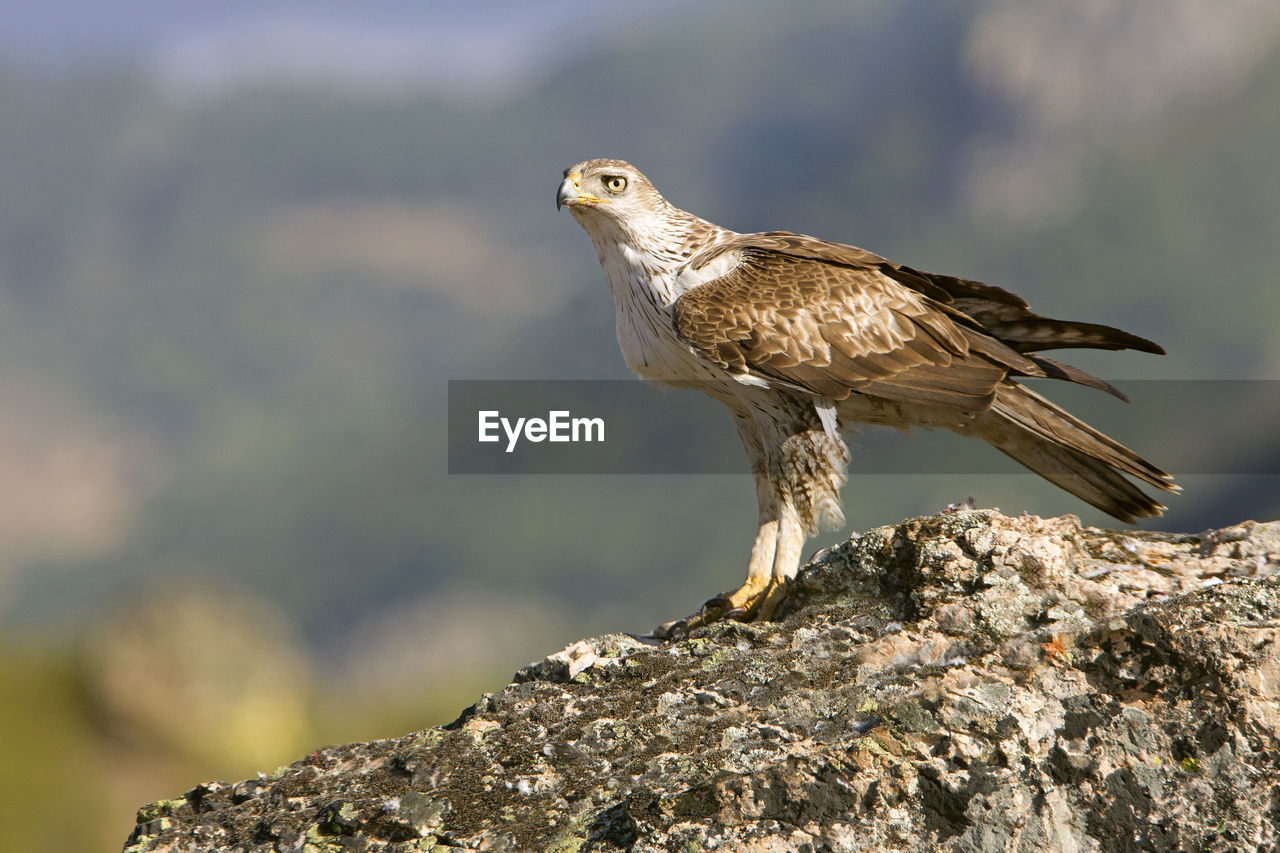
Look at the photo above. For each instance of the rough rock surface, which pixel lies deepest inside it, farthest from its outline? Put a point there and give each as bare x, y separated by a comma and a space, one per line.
967, 682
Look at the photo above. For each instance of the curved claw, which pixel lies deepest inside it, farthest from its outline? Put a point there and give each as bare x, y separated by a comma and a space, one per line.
754, 600
720, 602
673, 630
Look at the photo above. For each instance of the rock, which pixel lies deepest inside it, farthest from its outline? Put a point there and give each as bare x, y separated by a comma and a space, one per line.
967, 682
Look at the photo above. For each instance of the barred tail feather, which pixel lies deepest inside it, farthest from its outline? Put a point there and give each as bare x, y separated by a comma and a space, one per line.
1071, 454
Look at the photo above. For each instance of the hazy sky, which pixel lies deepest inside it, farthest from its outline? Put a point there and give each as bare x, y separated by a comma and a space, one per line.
199, 42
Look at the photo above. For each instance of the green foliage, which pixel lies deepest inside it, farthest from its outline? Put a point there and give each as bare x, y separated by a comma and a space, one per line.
49, 763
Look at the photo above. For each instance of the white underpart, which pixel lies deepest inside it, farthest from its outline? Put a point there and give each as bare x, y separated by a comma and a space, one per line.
827, 414
645, 286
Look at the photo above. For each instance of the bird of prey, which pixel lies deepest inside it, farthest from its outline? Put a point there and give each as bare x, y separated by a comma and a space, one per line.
800, 338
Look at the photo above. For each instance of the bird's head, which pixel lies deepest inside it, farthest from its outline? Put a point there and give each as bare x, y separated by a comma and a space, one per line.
610, 195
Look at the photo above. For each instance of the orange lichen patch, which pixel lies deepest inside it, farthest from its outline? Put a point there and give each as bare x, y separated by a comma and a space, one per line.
1056, 648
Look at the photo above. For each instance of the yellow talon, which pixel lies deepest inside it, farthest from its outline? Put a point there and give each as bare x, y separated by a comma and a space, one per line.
774, 594
757, 599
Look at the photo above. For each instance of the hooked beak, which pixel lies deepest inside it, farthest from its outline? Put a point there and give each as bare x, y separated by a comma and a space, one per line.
569, 195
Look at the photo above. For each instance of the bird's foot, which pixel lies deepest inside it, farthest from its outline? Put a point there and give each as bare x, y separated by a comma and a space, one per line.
757, 599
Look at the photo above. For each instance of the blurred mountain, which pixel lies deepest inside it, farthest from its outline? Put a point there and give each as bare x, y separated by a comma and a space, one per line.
228, 312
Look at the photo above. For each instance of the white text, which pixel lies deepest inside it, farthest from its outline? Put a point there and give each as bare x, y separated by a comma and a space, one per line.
558, 426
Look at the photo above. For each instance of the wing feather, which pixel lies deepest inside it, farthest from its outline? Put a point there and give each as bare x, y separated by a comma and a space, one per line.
1008, 317
833, 327
834, 319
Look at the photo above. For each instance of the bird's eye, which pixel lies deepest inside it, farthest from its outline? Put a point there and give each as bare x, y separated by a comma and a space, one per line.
615, 183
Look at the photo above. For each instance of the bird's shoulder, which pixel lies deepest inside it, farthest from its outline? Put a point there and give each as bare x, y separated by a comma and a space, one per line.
775, 276
787, 244
851, 265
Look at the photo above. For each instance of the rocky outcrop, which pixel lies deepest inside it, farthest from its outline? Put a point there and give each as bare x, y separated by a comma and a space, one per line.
966, 682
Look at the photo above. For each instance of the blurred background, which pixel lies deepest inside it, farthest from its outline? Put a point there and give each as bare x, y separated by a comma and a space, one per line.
244, 245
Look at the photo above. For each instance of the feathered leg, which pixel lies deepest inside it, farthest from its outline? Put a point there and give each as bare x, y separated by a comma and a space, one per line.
743, 602
798, 465
777, 526
760, 566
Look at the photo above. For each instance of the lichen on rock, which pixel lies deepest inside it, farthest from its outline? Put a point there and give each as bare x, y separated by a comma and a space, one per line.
965, 682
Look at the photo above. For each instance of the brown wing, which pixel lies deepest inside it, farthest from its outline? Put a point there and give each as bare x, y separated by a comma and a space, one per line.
826, 318
998, 312
1002, 319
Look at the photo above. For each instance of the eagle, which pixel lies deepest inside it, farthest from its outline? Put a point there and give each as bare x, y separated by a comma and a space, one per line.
800, 339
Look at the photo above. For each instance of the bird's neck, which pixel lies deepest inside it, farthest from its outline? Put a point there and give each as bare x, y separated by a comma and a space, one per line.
644, 262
